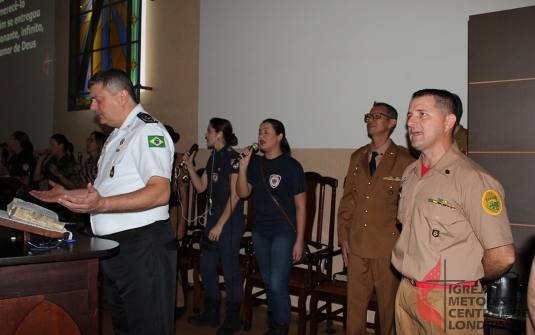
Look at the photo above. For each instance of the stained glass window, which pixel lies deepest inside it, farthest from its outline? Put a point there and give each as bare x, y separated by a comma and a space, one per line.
103, 34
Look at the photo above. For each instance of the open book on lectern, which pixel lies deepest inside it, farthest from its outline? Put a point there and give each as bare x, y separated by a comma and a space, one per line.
40, 218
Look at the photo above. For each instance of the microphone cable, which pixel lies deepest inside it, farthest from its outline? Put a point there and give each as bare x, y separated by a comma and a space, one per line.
202, 217
178, 204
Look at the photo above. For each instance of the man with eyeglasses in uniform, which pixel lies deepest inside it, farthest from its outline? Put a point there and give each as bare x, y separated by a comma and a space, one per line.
367, 228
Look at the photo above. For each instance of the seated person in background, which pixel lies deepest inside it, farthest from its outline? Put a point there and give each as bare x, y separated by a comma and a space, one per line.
57, 165
178, 210
87, 173
22, 161
21, 164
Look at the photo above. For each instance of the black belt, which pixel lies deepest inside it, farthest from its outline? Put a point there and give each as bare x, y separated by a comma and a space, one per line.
127, 234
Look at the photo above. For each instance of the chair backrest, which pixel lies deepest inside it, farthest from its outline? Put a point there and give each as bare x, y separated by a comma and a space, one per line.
197, 207
317, 185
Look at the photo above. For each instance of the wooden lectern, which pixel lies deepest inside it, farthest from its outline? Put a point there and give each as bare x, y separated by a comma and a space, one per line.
53, 291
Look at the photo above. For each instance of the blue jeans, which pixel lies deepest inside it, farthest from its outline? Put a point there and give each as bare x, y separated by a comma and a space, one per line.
274, 253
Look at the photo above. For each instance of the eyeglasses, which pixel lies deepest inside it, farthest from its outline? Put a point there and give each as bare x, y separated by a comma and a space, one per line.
375, 116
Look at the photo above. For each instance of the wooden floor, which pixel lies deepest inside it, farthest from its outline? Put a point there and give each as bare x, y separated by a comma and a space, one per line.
183, 328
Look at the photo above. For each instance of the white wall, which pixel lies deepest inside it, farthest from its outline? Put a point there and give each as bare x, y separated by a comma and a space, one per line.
318, 65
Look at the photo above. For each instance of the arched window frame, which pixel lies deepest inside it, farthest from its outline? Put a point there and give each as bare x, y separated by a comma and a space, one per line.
103, 34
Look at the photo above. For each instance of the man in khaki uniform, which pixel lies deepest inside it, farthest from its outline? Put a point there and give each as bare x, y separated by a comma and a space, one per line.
455, 227
367, 220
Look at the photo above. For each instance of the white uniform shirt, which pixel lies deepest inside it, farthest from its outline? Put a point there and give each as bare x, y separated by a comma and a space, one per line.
130, 157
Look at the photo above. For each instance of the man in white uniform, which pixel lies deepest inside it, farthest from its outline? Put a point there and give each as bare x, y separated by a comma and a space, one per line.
129, 204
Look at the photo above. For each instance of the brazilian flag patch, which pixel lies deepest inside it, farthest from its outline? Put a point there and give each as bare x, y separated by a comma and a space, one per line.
156, 141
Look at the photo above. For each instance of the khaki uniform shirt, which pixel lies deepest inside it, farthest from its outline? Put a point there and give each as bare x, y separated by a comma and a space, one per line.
367, 211
449, 217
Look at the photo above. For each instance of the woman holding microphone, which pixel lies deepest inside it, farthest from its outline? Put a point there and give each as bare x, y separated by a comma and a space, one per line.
57, 165
224, 228
279, 226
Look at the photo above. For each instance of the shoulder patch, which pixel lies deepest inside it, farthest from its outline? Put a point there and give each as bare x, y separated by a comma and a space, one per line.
235, 165
147, 118
491, 202
156, 141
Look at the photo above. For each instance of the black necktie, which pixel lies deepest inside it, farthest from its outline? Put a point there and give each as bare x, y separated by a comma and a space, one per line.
373, 165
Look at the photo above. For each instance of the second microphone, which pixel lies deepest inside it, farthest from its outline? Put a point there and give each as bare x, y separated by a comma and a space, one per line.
254, 147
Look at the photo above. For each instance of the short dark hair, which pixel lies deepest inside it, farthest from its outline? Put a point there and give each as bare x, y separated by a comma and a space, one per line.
113, 81
459, 106
392, 112
444, 100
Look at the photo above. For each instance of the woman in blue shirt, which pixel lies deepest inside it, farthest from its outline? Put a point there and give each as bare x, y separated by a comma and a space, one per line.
278, 232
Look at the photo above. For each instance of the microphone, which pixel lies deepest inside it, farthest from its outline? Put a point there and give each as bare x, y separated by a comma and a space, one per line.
254, 147
193, 148
79, 157
41, 153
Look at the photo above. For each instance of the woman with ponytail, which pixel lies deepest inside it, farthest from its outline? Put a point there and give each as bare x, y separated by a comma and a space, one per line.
224, 228
279, 226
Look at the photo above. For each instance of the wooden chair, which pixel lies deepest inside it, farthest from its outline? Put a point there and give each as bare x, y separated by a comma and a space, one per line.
190, 251
335, 292
303, 279
245, 258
